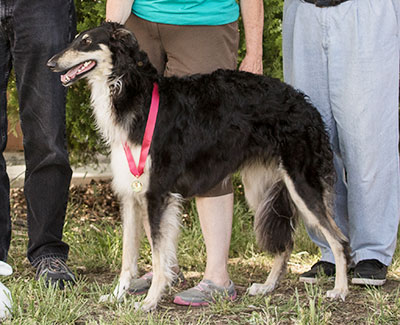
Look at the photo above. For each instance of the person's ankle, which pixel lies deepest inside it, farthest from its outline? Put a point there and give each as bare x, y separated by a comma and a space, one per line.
218, 280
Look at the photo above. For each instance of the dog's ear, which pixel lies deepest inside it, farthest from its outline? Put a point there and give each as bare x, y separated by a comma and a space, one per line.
123, 35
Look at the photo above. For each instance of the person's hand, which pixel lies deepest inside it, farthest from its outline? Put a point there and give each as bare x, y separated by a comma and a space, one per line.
253, 22
252, 64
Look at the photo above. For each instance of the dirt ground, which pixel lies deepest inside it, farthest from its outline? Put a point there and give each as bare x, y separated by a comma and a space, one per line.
97, 199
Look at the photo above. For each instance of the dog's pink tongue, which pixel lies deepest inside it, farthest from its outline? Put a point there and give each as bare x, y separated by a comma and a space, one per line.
71, 74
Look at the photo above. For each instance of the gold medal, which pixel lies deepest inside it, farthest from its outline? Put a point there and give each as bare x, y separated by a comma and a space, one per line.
138, 170
137, 186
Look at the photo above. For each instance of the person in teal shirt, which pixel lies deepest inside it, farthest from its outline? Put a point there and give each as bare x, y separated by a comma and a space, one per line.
200, 12
183, 37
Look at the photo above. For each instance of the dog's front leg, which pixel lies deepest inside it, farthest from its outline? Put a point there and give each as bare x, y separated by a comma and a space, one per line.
132, 216
164, 243
158, 284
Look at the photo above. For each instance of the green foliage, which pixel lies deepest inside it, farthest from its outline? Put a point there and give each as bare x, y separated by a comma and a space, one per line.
272, 42
89, 13
84, 142
12, 104
272, 39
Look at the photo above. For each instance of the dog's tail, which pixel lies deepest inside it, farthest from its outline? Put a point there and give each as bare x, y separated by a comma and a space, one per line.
275, 220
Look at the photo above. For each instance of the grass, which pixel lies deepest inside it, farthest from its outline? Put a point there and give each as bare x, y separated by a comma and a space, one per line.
93, 230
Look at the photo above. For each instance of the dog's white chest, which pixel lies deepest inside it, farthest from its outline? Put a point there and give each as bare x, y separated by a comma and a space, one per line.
124, 181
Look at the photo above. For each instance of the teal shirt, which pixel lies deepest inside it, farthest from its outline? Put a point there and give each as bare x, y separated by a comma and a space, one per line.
187, 12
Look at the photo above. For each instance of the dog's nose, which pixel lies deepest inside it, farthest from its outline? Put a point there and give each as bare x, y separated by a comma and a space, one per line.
51, 64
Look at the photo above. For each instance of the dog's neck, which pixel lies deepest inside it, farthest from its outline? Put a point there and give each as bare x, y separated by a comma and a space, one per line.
104, 113
120, 113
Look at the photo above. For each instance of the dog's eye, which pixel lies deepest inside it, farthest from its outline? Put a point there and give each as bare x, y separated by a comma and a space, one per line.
86, 41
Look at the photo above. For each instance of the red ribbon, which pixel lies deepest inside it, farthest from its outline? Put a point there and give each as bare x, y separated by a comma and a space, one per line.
137, 171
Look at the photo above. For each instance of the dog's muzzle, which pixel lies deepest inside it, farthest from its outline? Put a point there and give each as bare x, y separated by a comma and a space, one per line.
325, 3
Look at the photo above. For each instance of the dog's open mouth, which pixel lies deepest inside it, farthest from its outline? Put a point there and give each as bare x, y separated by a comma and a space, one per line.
77, 72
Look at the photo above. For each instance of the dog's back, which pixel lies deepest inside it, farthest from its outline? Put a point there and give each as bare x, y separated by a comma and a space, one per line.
214, 124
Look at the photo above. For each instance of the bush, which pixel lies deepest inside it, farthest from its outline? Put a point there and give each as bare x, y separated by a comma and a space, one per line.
84, 142
272, 39
272, 57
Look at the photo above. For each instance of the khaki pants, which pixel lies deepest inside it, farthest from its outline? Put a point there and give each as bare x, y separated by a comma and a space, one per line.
177, 50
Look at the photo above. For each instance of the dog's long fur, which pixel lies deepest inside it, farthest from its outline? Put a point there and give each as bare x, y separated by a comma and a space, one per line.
208, 127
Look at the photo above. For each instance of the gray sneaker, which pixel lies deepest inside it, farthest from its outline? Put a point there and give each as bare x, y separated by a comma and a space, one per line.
205, 293
142, 285
54, 271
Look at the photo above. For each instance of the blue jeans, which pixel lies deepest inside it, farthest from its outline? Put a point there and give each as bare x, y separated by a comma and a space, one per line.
346, 59
30, 33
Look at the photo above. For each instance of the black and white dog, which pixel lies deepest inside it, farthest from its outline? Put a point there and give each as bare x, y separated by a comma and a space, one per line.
208, 127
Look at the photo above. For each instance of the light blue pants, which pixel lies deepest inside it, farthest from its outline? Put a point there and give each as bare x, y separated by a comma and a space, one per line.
346, 59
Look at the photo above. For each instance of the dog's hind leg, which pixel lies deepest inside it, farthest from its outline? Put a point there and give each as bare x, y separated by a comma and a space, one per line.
274, 218
164, 236
132, 214
277, 272
312, 206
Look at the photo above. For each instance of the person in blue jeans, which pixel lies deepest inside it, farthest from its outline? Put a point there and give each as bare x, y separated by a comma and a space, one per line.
344, 54
188, 37
30, 33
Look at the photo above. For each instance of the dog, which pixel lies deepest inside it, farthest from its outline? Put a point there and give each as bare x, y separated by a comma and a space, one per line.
208, 127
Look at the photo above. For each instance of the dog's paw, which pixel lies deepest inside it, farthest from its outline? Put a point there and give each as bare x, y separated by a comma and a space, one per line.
260, 289
337, 294
143, 306
112, 297
107, 298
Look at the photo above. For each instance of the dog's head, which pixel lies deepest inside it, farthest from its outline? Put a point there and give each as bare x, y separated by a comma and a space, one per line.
93, 52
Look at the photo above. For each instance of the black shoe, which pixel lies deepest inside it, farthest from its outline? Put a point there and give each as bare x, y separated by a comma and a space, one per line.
54, 271
369, 272
320, 268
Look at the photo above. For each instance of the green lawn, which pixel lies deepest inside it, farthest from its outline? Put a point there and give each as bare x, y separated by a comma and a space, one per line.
93, 230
